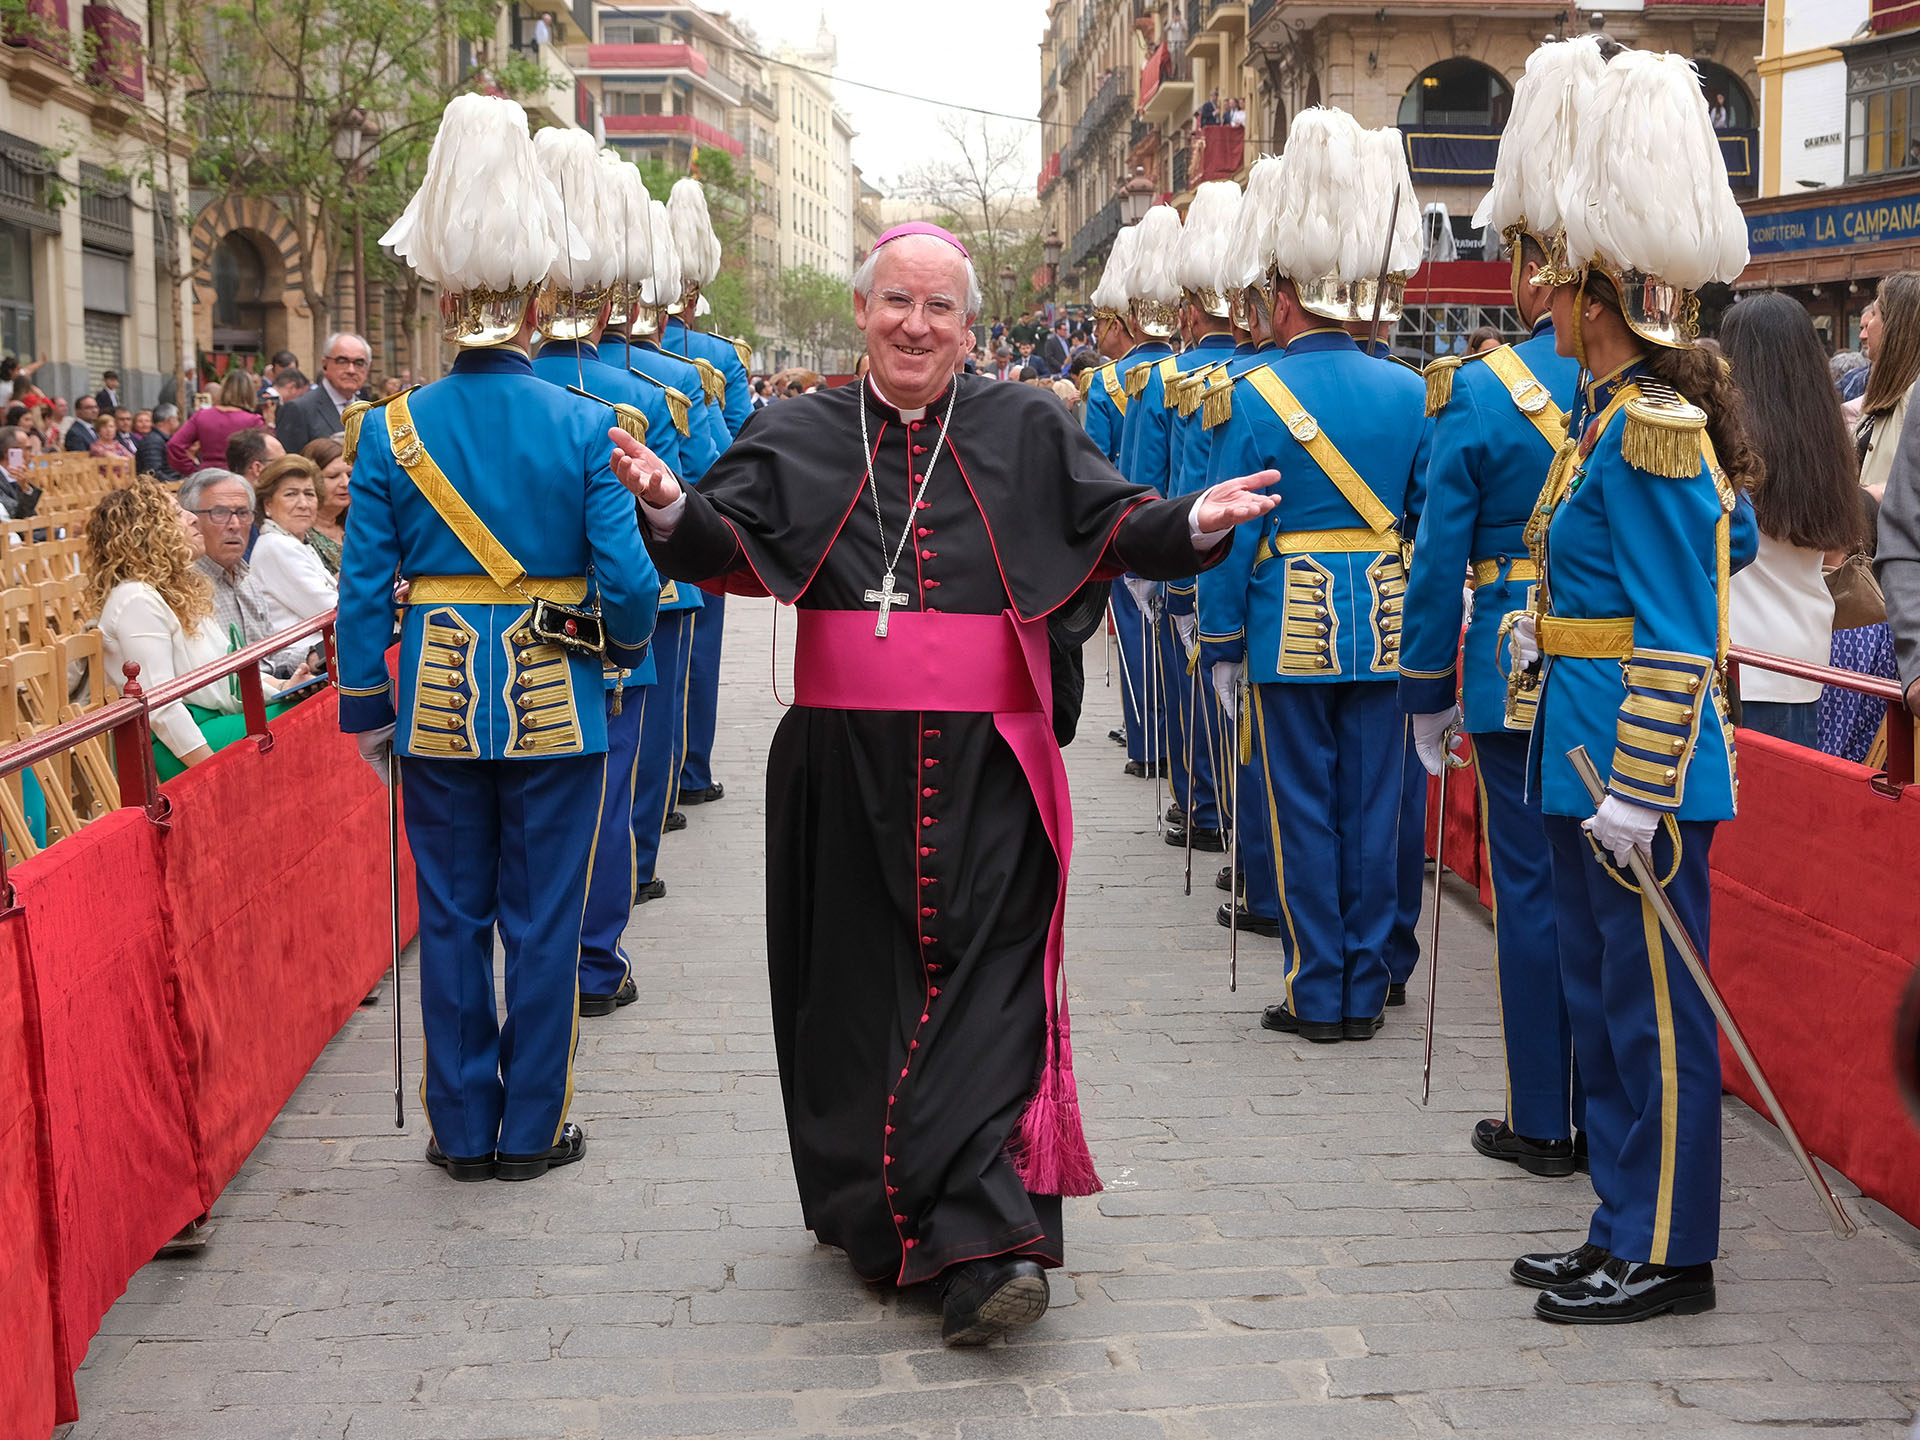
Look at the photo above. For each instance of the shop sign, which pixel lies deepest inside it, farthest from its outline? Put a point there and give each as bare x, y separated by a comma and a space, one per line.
1823, 227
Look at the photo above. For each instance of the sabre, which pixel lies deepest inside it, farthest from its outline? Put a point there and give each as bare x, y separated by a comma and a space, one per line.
1126, 675
1147, 668
1233, 854
1193, 711
1641, 864
393, 895
1386, 259
1157, 722
1449, 761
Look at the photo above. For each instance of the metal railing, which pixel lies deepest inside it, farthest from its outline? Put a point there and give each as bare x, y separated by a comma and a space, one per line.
1899, 773
1094, 236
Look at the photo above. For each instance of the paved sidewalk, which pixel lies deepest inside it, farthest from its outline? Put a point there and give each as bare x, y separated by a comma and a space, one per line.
1289, 1245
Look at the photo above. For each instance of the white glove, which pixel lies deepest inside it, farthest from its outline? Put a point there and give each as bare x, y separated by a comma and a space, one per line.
1523, 642
1187, 627
1621, 827
1427, 733
1146, 593
375, 747
1226, 682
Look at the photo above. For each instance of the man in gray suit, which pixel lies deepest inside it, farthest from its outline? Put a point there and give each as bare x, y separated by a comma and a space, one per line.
316, 414
1896, 562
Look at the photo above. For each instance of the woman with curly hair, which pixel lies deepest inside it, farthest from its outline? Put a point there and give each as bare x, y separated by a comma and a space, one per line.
156, 609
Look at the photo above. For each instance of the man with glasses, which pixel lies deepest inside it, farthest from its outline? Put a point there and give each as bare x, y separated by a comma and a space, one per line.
223, 504
316, 414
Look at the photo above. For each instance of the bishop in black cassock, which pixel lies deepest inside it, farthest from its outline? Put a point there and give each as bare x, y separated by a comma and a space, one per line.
912, 879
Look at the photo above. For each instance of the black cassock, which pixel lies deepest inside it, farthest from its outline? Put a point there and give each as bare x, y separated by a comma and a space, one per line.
910, 881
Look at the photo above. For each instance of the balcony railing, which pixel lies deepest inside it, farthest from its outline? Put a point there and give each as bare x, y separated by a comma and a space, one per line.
1257, 13
1108, 104
662, 59
1182, 161
691, 126
1096, 235
1049, 174
106, 211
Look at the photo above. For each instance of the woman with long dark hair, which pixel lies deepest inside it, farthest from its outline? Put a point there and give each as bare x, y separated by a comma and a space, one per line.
1896, 366
1809, 505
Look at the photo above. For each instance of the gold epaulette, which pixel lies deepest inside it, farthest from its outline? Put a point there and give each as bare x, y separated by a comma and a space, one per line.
1217, 408
1661, 433
1137, 380
631, 421
354, 414
677, 404
742, 349
1439, 374
711, 380
1086, 379
1169, 371
1193, 385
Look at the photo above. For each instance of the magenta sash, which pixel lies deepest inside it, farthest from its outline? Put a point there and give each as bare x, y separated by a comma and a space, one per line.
995, 664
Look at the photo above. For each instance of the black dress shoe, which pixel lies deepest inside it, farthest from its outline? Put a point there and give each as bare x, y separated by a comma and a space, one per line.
1621, 1292
1360, 1027
1204, 838
1119, 737
984, 1298
1580, 1152
1176, 817
607, 1004
676, 820
1565, 1267
713, 792
1397, 994
652, 890
1499, 1141
1256, 924
1140, 769
572, 1145
477, 1167
1320, 1032
1224, 879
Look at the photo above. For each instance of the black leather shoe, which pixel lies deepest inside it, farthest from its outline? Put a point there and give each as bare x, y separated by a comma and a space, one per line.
652, 890
607, 1004
985, 1298
1360, 1027
1580, 1152
1255, 924
1320, 1032
676, 820
1205, 839
1565, 1267
1396, 994
1224, 879
1498, 1140
713, 792
1119, 737
1621, 1292
573, 1144
1140, 769
1175, 817
478, 1167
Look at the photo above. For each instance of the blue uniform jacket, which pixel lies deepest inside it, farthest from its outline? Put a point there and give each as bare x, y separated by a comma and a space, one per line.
1151, 430
706, 433
1325, 614
1107, 399
736, 406
1626, 543
472, 683
1483, 477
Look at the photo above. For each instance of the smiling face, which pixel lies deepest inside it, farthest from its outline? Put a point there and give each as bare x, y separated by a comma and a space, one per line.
916, 319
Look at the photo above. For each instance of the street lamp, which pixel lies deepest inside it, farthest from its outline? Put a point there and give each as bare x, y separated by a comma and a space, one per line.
1136, 197
1050, 247
354, 137
1007, 278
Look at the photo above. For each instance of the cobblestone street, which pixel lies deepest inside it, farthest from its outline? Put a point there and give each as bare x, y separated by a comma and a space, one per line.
1288, 1245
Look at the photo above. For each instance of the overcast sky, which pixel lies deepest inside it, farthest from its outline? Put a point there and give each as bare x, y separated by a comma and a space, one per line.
985, 54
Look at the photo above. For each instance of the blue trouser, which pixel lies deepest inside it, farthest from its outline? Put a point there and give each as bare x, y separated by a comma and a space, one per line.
1543, 1100
663, 739
1188, 697
1136, 685
1410, 867
603, 963
506, 842
1254, 831
1646, 1044
1329, 755
703, 694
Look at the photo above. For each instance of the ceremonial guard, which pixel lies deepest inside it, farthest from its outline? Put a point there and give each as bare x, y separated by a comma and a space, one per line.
726, 361
572, 314
1147, 457
526, 577
1500, 416
1132, 335
1629, 630
1307, 606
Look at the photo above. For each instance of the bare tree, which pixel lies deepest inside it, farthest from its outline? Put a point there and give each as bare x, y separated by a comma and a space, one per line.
981, 190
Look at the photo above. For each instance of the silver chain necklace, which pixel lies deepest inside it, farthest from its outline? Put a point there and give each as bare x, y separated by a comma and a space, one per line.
885, 597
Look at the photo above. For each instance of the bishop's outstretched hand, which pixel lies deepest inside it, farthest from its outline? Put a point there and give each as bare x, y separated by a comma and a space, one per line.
1232, 502
642, 471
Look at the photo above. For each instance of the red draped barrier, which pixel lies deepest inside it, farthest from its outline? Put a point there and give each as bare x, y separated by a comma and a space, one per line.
30, 1353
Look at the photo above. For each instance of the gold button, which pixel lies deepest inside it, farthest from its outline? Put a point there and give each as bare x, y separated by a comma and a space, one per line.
525, 657
526, 742
458, 702
1678, 746
523, 636
1693, 682
1672, 775
532, 721
1687, 714
458, 742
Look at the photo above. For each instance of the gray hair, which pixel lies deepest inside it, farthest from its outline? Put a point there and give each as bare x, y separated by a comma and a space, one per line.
201, 481
338, 335
863, 277
164, 413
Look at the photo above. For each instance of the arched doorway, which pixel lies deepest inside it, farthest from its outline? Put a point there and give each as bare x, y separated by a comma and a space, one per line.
1724, 91
1457, 92
238, 276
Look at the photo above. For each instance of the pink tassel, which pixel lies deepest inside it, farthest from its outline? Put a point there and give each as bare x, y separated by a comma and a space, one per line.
1050, 1148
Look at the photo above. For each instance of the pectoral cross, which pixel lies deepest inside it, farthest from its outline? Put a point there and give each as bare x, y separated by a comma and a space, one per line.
886, 598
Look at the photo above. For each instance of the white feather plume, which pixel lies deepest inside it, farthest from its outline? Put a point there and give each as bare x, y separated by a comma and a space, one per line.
1543, 127
628, 211
570, 159
1153, 276
485, 218
1648, 189
664, 284
1200, 262
1325, 191
693, 232
1250, 245
1386, 167
1116, 276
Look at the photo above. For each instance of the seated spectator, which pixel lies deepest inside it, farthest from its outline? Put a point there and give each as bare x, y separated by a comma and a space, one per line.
1890, 338
83, 429
203, 439
250, 451
289, 385
155, 609
222, 503
19, 496
329, 531
141, 424
1482, 340
292, 582
109, 444
150, 450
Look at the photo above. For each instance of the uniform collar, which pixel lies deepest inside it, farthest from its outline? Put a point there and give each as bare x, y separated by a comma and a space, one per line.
1220, 340
1601, 389
1147, 350
1544, 325
567, 349
1381, 349
1326, 337
493, 360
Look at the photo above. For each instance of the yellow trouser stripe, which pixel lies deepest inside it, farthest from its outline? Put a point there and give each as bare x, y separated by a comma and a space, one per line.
573, 1042
480, 590
1606, 638
1486, 572
1669, 1083
1279, 851
1493, 894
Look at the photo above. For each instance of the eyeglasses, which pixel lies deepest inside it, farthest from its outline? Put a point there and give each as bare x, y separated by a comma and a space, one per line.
226, 514
352, 362
938, 311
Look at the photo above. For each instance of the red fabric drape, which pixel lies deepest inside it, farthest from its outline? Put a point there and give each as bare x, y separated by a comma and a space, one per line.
1223, 148
27, 1338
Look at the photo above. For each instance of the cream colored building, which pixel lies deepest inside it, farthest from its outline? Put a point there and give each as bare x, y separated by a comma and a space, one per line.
816, 196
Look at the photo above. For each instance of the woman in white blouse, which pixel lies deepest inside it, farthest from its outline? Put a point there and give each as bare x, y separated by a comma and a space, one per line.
290, 577
156, 610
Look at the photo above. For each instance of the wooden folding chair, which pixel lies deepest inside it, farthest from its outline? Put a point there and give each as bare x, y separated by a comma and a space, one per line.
97, 788
13, 808
23, 619
40, 690
65, 604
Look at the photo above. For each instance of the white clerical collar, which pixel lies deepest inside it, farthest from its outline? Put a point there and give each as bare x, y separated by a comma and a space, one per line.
918, 414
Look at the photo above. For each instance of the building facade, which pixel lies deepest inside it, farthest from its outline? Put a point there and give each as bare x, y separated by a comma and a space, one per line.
816, 162
93, 187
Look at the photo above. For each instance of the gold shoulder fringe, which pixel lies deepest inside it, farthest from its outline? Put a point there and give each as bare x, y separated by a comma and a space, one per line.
1440, 382
1137, 380
743, 350
631, 420
677, 406
1663, 437
711, 380
1217, 408
1086, 380
354, 414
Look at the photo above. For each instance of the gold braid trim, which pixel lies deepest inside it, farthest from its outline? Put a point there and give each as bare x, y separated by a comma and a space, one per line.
742, 349
711, 380
1217, 408
1137, 380
1085, 380
1440, 382
632, 421
352, 417
1662, 435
